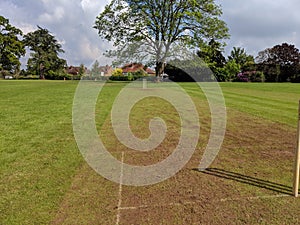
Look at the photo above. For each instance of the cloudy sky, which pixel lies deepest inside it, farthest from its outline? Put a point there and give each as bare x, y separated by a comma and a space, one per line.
258, 24
254, 24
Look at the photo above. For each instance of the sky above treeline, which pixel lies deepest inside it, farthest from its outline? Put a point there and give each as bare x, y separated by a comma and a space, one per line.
254, 24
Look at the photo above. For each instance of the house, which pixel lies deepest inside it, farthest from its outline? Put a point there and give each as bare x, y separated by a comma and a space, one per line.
105, 71
135, 67
74, 70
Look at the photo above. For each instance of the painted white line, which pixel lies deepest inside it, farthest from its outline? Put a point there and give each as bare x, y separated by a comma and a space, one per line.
120, 191
160, 205
254, 197
197, 202
144, 83
149, 206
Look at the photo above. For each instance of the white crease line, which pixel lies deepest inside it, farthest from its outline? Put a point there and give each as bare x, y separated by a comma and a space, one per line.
197, 202
149, 206
254, 197
120, 191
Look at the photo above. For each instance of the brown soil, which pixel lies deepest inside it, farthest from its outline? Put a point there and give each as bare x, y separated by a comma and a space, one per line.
248, 183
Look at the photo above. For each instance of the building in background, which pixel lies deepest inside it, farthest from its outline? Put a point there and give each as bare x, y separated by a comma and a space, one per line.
137, 67
105, 71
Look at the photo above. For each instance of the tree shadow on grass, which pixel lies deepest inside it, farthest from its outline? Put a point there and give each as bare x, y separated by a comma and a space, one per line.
248, 180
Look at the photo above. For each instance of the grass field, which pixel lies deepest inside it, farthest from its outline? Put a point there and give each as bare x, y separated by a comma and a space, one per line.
44, 178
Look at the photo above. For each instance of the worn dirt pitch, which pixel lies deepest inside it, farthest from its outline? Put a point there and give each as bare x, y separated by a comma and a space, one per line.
249, 182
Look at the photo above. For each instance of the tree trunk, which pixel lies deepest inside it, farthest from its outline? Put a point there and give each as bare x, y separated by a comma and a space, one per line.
42, 76
159, 69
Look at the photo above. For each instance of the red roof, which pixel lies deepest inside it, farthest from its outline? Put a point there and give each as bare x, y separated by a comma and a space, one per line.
150, 71
134, 67
73, 70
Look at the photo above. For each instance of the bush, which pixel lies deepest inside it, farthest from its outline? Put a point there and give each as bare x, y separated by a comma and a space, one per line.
51, 75
250, 76
231, 70
119, 78
57, 75
295, 78
117, 72
140, 73
131, 77
241, 77
257, 76
29, 77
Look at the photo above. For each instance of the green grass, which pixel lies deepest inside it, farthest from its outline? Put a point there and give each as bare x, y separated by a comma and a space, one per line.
273, 101
38, 154
277, 102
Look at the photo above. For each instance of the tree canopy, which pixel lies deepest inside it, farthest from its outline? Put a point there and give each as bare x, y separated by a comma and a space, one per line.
281, 61
240, 56
212, 53
44, 60
283, 55
11, 47
213, 57
142, 28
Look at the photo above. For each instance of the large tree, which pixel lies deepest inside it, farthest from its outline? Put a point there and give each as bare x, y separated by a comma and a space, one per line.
11, 47
213, 57
240, 56
44, 60
285, 58
212, 53
139, 29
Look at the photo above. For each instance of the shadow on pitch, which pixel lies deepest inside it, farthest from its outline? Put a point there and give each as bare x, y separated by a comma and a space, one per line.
248, 180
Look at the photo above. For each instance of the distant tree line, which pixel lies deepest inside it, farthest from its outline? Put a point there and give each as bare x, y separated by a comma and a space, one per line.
280, 63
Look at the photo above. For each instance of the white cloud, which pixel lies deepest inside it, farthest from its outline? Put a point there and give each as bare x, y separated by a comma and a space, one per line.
26, 27
259, 24
87, 50
54, 16
95, 6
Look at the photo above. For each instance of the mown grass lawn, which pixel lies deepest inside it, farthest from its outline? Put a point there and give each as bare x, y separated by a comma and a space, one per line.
277, 102
38, 154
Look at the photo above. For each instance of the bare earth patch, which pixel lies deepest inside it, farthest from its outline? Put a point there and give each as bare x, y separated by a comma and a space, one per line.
248, 183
